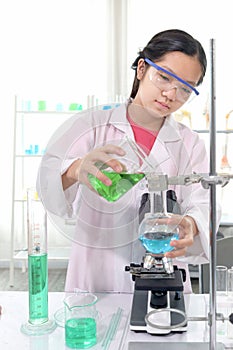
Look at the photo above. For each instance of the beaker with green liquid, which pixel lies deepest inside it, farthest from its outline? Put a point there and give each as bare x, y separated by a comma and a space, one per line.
81, 319
134, 163
38, 322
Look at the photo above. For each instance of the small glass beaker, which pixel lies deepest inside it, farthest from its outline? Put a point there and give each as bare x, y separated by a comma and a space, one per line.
221, 280
80, 320
134, 164
230, 283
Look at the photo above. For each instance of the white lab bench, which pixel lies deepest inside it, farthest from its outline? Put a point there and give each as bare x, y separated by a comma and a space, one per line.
15, 313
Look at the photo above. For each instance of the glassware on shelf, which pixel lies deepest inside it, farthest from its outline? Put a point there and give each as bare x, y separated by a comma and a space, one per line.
228, 125
184, 117
225, 164
206, 114
75, 107
42, 105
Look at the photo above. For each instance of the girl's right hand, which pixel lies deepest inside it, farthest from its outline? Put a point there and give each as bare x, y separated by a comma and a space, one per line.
79, 169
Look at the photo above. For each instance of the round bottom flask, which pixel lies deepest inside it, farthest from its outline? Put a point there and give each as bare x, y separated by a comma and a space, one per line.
156, 234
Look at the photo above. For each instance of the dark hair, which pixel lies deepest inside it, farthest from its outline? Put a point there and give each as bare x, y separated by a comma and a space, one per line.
169, 41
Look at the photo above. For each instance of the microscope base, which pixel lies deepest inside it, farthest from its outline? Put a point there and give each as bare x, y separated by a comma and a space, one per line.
172, 346
140, 308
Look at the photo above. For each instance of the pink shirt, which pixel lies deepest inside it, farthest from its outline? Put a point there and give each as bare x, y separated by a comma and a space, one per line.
145, 138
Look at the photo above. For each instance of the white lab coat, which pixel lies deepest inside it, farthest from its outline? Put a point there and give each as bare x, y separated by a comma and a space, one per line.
105, 235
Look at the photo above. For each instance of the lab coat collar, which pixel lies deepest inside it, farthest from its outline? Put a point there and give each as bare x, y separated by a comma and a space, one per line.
170, 130
119, 118
168, 133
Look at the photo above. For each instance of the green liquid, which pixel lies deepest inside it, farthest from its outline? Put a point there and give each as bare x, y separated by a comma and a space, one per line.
121, 183
80, 333
38, 288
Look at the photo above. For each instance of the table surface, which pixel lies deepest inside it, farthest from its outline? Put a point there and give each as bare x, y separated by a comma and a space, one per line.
15, 313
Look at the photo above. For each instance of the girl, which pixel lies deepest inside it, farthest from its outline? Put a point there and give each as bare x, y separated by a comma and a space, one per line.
167, 72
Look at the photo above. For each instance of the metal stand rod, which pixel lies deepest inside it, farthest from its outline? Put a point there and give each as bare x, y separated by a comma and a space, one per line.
213, 226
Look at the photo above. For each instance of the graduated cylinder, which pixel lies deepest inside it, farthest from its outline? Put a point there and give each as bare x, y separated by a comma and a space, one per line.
37, 259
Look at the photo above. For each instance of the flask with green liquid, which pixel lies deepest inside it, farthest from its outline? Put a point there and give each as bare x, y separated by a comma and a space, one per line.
135, 164
121, 183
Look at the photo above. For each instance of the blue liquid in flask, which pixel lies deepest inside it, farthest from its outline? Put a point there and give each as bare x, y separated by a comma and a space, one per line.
158, 242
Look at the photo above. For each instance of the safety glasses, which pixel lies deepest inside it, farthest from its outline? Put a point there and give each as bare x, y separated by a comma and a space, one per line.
165, 80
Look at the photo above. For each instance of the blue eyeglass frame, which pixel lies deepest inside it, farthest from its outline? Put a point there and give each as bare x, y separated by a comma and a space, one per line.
171, 74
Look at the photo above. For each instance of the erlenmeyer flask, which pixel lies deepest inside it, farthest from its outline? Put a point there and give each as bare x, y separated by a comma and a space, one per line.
134, 163
155, 231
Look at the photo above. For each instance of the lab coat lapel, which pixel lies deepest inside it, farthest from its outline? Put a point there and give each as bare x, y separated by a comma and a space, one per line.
119, 120
163, 147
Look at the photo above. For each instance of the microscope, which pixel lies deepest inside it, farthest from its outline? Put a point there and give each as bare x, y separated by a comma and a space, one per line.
158, 302
157, 287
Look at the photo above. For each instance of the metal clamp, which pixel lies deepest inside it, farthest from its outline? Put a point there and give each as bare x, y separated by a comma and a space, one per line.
160, 182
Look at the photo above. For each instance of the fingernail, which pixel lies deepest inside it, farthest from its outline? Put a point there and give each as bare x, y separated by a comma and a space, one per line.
108, 182
118, 168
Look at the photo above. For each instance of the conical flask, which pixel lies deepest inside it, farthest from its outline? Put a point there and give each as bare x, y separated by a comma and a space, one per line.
134, 164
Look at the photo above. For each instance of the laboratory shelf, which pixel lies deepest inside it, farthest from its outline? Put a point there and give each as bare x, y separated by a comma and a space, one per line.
32, 131
28, 155
48, 112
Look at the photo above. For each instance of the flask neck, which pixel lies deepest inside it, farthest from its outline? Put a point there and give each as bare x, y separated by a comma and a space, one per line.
158, 202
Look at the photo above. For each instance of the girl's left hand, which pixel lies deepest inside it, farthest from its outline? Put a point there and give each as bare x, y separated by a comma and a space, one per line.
187, 230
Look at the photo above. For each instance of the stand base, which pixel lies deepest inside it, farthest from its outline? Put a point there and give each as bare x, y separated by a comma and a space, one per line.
39, 329
139, 310
173, 346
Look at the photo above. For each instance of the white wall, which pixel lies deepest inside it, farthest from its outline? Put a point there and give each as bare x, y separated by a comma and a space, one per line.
50, 50
59, 50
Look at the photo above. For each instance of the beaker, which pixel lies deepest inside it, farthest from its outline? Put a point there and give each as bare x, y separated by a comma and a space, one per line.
155, 231
134, 163
38, 322
80, 320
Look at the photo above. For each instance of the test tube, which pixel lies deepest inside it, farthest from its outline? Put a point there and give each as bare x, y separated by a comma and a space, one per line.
38, 322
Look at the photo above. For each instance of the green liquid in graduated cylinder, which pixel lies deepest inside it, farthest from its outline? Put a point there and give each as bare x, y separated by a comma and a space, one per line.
121, 183
38, 288
80, 333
